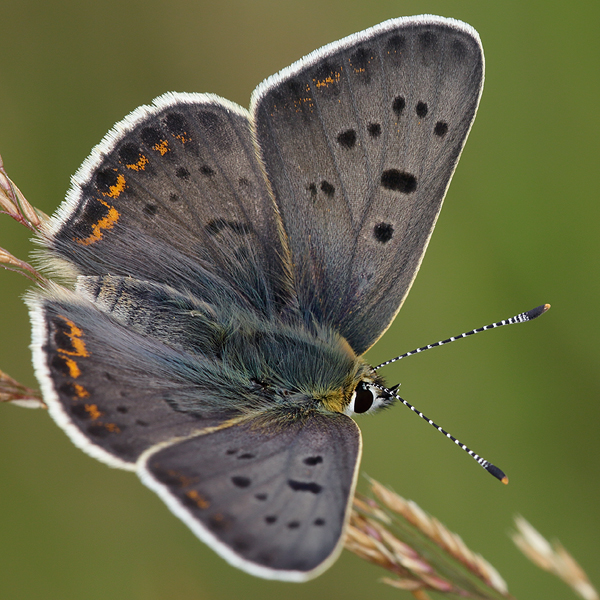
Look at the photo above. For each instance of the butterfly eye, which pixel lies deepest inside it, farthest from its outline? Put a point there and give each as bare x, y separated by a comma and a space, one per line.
363, 399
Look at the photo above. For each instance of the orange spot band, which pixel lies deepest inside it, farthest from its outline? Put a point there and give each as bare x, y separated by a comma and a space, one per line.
107, 222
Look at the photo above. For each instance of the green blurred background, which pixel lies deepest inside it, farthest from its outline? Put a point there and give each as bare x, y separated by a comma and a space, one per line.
520, 228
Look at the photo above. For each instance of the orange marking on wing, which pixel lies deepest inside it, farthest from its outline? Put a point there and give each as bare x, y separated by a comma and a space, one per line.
140, 165
303, 101
116, 190
93, 411
184, 480
112, 427
199, 500
74, 334
74, 370
81, 391
162, 147
183, 137
107, 222
333, 78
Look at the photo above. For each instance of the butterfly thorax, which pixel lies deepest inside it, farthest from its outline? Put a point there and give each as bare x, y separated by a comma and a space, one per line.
229, 361
290, 366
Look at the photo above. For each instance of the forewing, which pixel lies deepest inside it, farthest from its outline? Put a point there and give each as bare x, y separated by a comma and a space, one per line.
271, 496
112, 388
175, 194
360, 140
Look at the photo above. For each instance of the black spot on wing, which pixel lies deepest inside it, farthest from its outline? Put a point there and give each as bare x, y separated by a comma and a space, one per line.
398, 105
383, 232
106, 179
421, 109
427, 40
79, 411
220, 522
327, 188
242, 544
359, 60
241, 482
311, 461
151, 136
210, 121
398, 181
459, 51
305, 486
347, 139
440, 129
129, 154
176, 123
326, 80
394, 48
374, 129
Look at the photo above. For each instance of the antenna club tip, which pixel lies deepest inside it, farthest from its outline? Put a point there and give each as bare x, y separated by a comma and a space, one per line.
496, 472
534, 313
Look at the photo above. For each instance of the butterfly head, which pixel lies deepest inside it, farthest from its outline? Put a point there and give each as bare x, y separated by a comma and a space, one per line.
367, 398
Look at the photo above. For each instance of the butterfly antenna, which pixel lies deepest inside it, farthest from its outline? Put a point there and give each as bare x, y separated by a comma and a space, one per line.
523, 317
487, 465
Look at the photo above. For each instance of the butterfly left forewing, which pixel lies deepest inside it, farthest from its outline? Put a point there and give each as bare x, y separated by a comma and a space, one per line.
271, 494
360, 140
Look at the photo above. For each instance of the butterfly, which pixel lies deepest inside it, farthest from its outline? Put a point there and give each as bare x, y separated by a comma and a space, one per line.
226, 270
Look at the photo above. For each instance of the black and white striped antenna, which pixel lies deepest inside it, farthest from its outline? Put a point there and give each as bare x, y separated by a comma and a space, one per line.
523, 317
486, 464
520, 318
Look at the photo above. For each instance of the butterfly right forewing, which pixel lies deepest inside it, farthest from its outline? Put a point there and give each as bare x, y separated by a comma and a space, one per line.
271, 494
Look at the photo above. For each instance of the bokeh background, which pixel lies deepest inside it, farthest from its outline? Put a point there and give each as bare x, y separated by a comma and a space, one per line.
520, 228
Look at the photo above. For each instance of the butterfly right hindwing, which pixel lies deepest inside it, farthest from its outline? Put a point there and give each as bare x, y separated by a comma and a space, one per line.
117, 391
271, 494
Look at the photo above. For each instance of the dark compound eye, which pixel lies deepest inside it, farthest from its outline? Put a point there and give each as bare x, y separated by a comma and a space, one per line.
363, 400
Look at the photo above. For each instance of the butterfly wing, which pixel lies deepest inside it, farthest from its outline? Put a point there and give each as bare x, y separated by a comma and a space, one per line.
271, 495
175, 194
360, 140
119, 380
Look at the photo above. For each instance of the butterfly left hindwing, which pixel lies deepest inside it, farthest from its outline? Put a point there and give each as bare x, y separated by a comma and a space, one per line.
175, 194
